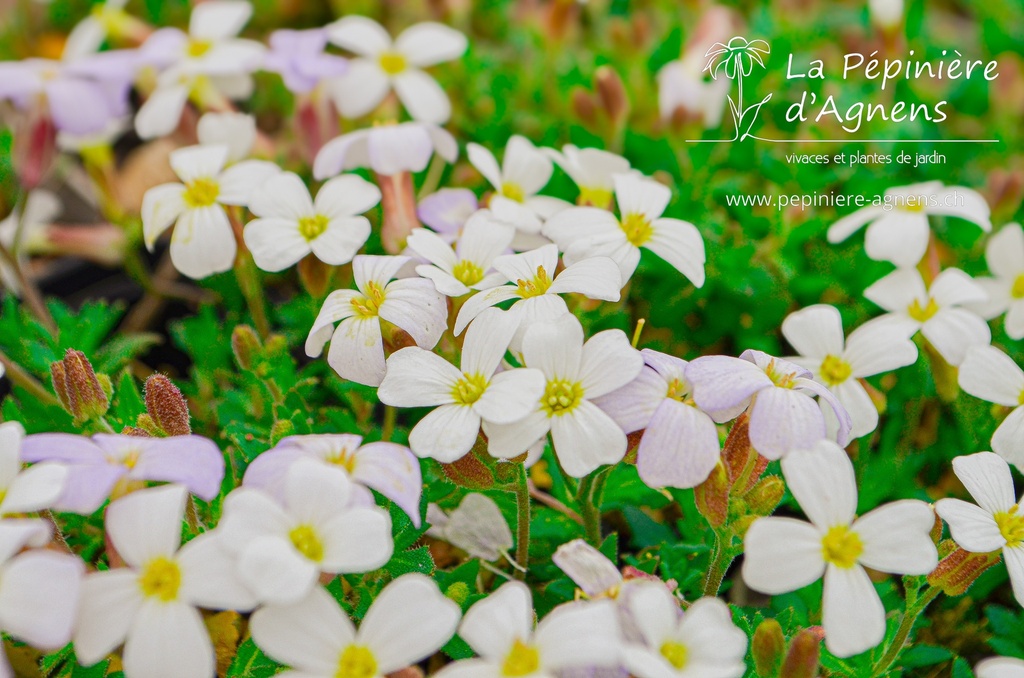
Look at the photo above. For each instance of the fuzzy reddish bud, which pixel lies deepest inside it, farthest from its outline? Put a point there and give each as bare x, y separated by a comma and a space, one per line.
612, 93
802, 659
764, 497
167, 406
78, 388
768, 648
958, 570
712, 496
246, 346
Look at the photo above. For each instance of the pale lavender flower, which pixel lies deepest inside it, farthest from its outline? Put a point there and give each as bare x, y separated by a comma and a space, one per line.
447, 211
83, 96
679, 447
96, 465
299, 58
389, 468
777, 394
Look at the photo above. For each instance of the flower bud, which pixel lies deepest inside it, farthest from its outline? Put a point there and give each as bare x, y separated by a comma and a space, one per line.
146, 427
584, 104
958, 570
712, 496
167, 406
458, 592
742, 461
78, 388
314, 275
472, 471
398, 200
765, 496
35, 148
612, 94
768, 647
246, 346
802, 659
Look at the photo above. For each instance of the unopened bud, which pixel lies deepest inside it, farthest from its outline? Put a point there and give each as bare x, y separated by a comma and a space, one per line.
35, 148
246, 346
471, 471
802, 659
585, 106
712, 496
457, 592
145, 424
958, 571
78, 388
612, 94
167, 406
742, 461
768, 648
281, 429
764, 497
314, 275
135, 432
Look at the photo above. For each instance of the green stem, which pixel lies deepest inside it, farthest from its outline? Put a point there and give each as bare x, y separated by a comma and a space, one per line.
722, 556
588, 496
433, 177
390, 418
248, 282
20, 377
29, 292
522, 491
916, 604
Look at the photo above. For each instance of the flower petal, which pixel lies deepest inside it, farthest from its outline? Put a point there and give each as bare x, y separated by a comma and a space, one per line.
309, 634
896, 538
991, 375
852, 612
972, 527
106, 612
586, 438
821, 479
169, 640
422, 97
446, 434
679, 448
815, 331
679, 243
147, 524
39, 594
781, 555
428, 43
608, 362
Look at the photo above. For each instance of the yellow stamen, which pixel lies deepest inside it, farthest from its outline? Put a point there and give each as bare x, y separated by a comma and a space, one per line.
675, 653
637, 227
356, 661
835, 370
313, 227
197, 48
841, 546
535, 287
598, 197
392, 63
513, 191
920, 314
468, 273
160, 579
1011, 526
1017, 291
369, 306
201, 192
561, 396
780, 379
469, 389
344, 458
307, 542
522, 660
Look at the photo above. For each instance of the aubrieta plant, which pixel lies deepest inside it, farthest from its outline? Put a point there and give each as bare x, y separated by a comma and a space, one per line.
416, 381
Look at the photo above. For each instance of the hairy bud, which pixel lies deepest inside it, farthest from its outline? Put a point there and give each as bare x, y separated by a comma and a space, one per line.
167, 406
612, 94
768, 647
802, 659
246, 346
78, 388
712, 496
958, 570
764, 497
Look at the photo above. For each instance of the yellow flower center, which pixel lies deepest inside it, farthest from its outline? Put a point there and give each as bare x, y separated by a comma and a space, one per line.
513, 191
343, 458
841, 546
1017, 291
356, 661
160, 579
920, 314
522, 660
637, 227
561, 396
197, 48
392, 63
201, 192
307, 542
835, 370
535, 287
780, 379
675, 653
1011, 526
468, 273
677, 391
598, 197
313, 227
469, 389
369, 306
915, 203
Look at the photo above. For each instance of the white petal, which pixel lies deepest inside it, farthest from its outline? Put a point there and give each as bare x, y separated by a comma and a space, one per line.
493, 624
896, 291
203, 242
1014, 558
487, 340
954, 330
899, 237
579, 634
525, 165
363, 86
852, 613
337, 306
991, 375
579, 223
876, 348
237, 131
357, 351
418, 308
972, 527
608, 362
1000, 667
161, 207
861, 408
962, 202
896, 538
346, 195
511, 396
422, 97
783, 420
161, 112
209, 576
816, 331
446, 434
35, 488
781, 555
428, 43
408, 621
106, 611
284, 196
275, 572
822, 481
586, 438
637, 194
275, 244
243, 180
169, 640
1008, 440
953, 287
679, 243
485, 163
511, 440
476, 304
358, 540
679, 448
594, 573
431, 247
595, 278
198, 162
219, 19
147, 524
309, 635
555, 348
1004, 252
39, 593
418, 378
359, 34
851, 223
988, 479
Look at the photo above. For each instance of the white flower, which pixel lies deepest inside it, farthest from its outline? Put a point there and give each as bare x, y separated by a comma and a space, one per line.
592, 170
681, 86
386, 149
991, 375
237, 131
1000, 667
700, 642
499, 628
583, 232
536, 287
886, 13
283, 546
388, 468
476, 526
785, 554
89, 34
592, 571
385, 65
584, 437
469, 266
997, 522
209, 56
463, 398
203, 242
26, 491
357, 345
935, 311
39, 588
1004, 255
524, 170
150, 605
408, 621
898, 230
816, 332
40, 209
291, 225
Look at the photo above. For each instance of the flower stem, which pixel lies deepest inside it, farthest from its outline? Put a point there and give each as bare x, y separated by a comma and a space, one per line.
722, 556
30, 293
916, 604
588, 496
522, 491
388, 428
20, 377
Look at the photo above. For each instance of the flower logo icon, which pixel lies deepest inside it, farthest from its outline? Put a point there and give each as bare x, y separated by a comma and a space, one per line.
737, 59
